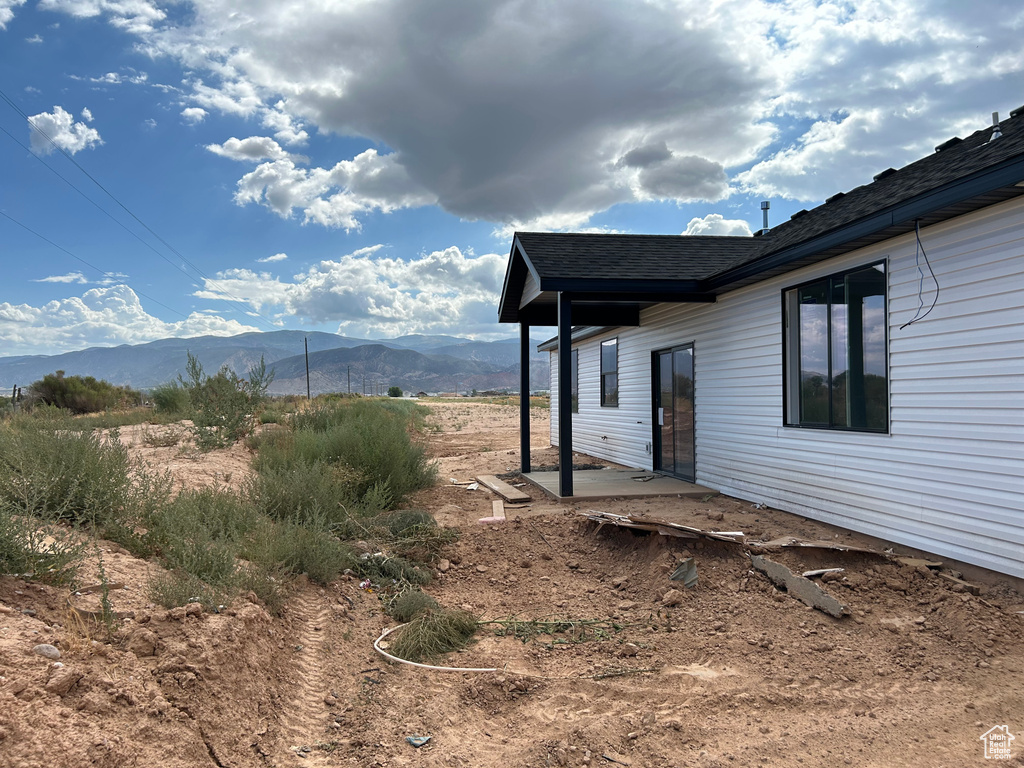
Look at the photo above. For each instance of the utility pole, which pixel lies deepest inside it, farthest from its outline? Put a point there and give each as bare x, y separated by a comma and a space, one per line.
305, 341
350, 379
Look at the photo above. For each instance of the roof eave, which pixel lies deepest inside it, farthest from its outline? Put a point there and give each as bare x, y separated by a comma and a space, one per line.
1006, 174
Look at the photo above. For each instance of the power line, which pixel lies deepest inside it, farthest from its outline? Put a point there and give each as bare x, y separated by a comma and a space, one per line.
246, 311
79, 258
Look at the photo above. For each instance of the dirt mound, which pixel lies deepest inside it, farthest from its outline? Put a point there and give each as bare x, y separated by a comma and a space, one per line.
601, 658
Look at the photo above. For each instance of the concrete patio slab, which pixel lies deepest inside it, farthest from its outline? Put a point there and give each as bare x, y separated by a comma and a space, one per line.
613, 482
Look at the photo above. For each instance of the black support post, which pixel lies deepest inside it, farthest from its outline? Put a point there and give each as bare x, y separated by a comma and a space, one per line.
524, 398
564, 395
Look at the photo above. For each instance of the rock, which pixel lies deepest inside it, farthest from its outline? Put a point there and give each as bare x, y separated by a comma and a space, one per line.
46, 651
481, 569
142, 642
194, 609
444, 566
716, 516
95, 702
62, 681
6, 609
672, 598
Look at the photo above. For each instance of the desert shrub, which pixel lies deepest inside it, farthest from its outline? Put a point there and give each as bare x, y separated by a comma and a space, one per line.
224, 407
300, 546
81, 394
409, 604
411, 534
369, 436
296, 492
434, 633
213, 518
391, 571
171, 399
178, 588
32, 548
116, 419
52, 472
268, 583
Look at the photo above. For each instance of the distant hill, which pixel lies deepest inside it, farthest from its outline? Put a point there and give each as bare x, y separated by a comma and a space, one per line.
373, 368
473, 364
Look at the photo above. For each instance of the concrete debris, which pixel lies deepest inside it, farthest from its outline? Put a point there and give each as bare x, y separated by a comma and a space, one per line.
974, 589
686, 573
472, 486
664, 527
792, 541
803, 589
917, 562
821, 572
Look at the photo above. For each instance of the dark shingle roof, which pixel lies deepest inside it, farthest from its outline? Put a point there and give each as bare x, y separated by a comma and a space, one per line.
637, 257
964, 176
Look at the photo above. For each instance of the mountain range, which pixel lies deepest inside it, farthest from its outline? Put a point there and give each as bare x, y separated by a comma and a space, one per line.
336, 363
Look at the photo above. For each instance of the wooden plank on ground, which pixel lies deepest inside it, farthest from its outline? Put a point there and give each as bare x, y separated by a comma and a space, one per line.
503, 489
497, 508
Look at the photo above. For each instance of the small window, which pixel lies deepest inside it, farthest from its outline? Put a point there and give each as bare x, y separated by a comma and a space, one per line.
836, 352
574, 386
610, 372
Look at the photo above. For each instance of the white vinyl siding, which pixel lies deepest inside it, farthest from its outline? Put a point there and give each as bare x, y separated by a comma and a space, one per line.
949, 476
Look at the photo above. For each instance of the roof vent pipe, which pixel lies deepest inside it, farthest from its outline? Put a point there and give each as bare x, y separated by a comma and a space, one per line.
996, 133
765, 205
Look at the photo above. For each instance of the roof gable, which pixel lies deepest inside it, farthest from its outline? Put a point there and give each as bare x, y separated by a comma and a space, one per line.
959, 177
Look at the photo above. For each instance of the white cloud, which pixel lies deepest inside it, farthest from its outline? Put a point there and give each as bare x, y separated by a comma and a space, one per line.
131, 75
100, 317
252, 149
194, 115
534, 114
7, 11
77, 278
149, 123
59, 128
372, 296
135, 16
86, 115
285, 127
333, 197
717, 224
70, 277
271, 259
34, 39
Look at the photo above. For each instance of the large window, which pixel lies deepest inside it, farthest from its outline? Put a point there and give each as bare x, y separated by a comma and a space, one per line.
836, 358
610, 372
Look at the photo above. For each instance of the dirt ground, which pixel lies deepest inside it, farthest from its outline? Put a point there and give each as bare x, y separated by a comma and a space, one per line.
731, 672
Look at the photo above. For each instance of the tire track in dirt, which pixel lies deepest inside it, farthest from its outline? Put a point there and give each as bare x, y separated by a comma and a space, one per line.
303, 717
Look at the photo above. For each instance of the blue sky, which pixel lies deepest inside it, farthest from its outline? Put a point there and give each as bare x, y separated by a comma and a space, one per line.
358, 166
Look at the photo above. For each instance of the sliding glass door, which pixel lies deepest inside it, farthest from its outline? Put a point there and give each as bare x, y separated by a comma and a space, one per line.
673, 410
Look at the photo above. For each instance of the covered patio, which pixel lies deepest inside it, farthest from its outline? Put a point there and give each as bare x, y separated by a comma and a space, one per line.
576, 281
616, 483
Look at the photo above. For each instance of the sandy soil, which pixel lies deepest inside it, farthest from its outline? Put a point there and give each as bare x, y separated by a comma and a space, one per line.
731, 672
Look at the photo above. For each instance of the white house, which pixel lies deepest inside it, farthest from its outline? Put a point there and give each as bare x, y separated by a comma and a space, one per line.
860, 364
